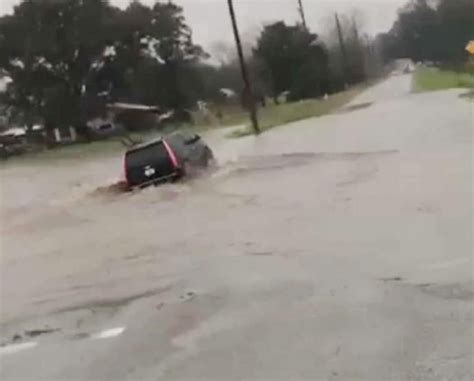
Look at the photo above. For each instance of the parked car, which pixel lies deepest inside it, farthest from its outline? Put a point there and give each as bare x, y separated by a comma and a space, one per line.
165, 159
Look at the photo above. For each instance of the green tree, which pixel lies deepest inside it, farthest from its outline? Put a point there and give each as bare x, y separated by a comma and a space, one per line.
293, 60
431, 31
47, 48
66, 57
156, 56
456, 21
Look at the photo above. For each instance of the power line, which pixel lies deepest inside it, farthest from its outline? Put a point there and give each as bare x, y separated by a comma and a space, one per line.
343, 49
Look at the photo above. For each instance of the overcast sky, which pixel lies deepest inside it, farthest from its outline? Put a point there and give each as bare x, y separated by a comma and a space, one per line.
209, 19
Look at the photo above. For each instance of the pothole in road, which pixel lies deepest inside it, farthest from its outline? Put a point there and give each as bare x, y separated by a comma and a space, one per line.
458, 291
39, 332
392, 279
29, 334
116, 302
261, 253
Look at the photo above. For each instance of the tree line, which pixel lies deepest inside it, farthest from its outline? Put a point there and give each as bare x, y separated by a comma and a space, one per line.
67, 59
436, 31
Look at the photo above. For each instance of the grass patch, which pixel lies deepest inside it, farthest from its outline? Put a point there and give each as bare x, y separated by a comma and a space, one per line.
430, 79
277, 115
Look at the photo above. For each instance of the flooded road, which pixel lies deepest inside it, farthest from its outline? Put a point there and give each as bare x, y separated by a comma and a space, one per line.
337, 247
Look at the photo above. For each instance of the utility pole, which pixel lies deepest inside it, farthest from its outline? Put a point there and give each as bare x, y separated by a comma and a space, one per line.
303, 17
356, 30
343, 48
248, 93
361, 52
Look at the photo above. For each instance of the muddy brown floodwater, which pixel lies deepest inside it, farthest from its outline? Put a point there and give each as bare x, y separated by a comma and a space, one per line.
337, 247
55, 213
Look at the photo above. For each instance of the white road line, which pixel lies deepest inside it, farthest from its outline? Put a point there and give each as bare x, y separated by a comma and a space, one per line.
108, 333
455, 262
14, 348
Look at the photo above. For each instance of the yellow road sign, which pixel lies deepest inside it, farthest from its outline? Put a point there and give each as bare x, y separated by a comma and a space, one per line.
470, 47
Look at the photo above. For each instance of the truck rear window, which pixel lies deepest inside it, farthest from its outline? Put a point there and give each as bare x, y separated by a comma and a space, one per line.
148, 163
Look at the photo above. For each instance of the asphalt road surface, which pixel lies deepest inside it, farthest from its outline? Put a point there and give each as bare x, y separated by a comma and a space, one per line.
335, 248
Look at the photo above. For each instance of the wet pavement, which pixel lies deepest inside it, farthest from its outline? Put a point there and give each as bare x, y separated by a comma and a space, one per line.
333, 248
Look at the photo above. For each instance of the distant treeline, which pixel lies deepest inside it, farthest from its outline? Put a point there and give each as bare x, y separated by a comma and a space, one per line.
435, 31
67, 59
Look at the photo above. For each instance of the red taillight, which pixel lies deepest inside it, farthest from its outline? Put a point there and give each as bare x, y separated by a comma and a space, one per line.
124, 169
171, 154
